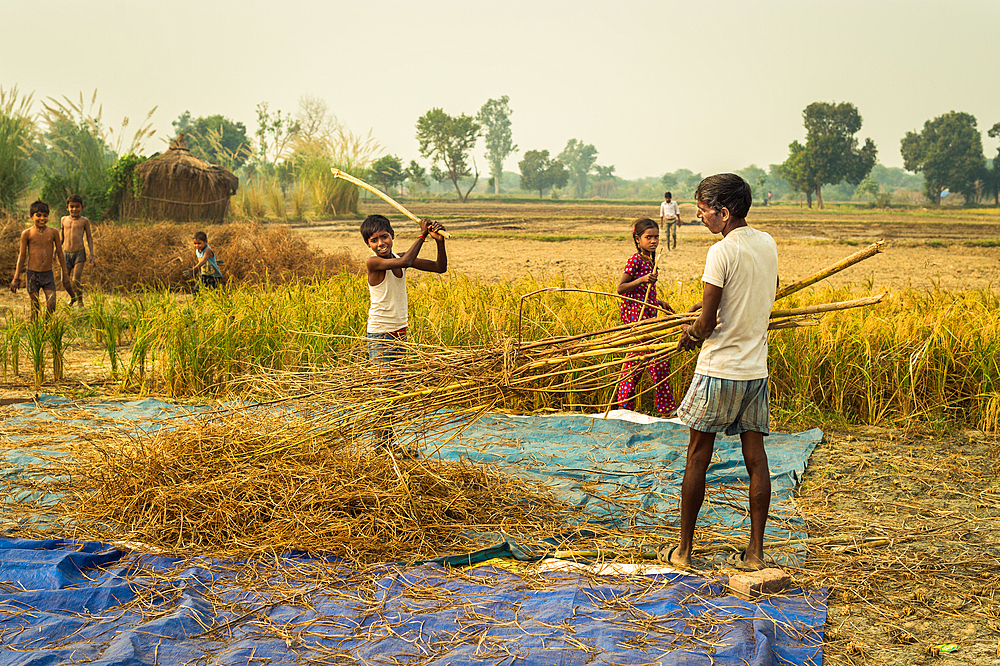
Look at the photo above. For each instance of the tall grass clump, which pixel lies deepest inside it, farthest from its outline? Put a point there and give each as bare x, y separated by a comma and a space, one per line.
299, 197
58, 327
919, 354
276, 199
17, 130
36, 335
12, 344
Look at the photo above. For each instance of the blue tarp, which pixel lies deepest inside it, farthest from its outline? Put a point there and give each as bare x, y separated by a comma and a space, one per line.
70, 602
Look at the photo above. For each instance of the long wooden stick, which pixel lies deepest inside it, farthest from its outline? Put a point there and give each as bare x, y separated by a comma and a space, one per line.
337, 173
861, 255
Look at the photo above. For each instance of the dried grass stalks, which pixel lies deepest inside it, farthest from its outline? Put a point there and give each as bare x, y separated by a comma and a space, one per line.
235, 484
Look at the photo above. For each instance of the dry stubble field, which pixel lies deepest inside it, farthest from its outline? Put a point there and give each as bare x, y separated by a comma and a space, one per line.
933, 493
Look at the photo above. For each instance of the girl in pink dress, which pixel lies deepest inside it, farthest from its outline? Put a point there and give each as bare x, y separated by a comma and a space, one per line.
638, 287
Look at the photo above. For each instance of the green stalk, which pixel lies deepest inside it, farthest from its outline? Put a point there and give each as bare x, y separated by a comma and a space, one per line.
37, 334
58, 326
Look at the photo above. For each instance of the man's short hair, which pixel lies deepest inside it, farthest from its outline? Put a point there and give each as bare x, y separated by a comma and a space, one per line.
373, 224
726, 190
74, 198
667, 194
38, 206
201, 235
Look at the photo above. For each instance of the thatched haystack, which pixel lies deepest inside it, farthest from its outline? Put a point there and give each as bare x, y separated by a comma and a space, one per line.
178, 186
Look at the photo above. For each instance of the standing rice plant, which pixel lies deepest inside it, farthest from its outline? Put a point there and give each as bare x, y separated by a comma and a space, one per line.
58, 327
95, 315
112, 330
12, 342
17, 129
36, 335
276, 199
300, 201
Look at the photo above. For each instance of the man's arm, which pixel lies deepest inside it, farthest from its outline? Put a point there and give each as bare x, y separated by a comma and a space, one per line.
692, 336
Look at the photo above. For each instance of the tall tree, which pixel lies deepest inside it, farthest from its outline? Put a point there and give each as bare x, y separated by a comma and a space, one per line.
275, 135
831, 153
800, 171
579, 158
994, 172
495, 119
449, 140
538, 172
417, 175
215, 139
388, 172
949, 152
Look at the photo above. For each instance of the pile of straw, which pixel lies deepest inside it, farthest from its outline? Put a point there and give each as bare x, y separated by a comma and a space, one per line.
256, 481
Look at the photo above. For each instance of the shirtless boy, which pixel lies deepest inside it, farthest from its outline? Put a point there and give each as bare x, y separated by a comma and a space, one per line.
39, 243
73, 228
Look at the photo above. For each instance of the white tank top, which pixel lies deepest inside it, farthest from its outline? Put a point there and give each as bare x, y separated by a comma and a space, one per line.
387, 313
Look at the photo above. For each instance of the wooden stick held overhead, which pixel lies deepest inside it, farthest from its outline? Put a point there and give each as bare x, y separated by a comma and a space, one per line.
337, 173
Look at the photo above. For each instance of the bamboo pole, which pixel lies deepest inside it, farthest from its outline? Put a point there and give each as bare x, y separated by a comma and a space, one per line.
337, 173
847, 262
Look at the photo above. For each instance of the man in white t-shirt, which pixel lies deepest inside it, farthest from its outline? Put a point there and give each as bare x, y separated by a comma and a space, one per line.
670, 217
729, 392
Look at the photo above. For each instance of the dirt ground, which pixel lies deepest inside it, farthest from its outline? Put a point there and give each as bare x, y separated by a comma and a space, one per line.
934, 579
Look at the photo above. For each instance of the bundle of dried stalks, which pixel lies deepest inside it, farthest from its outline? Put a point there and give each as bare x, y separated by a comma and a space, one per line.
510, 372
261, 481
156, 255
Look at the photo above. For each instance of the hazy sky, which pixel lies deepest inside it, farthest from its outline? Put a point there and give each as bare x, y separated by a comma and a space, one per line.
654, 85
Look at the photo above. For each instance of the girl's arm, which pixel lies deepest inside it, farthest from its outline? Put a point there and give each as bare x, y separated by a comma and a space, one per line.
627, 284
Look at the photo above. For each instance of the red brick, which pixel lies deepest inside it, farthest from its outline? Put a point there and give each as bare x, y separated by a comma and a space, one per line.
752, 584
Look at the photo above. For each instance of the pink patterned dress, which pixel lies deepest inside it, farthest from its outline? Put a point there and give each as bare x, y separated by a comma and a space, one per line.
659, 370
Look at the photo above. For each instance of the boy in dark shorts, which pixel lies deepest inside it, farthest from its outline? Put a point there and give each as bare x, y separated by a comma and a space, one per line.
39, 243
73, 229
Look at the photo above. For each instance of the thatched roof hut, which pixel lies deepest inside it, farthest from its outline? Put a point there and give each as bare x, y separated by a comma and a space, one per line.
178, 186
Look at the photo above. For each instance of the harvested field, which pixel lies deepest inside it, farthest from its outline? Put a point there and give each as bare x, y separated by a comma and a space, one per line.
585, 242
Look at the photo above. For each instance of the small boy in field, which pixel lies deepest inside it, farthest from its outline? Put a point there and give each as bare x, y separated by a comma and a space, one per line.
387, 314
72, 230
207, 267
39, 243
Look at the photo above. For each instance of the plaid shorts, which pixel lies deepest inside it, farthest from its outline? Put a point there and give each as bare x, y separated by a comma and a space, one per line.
726, 405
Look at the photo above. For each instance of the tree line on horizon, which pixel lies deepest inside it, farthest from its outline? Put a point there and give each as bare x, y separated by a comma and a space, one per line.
67, 148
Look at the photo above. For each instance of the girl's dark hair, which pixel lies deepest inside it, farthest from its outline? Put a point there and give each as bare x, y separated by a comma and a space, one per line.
641, 225
201, 235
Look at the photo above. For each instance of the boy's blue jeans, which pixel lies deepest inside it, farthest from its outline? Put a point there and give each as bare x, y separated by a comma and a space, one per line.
387, 347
